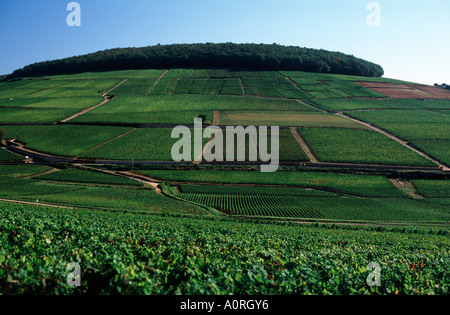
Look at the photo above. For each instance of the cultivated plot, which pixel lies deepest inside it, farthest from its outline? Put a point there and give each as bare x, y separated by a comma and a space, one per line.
362, 185
177, 109
286, 118
311, 204
64, 140
366, 104
145, 144
407, 90
342, 145
427, 130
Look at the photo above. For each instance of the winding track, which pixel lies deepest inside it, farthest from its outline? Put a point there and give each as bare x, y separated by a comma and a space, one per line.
49, 158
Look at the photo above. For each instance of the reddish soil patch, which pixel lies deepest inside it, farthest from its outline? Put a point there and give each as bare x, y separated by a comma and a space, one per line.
407, 90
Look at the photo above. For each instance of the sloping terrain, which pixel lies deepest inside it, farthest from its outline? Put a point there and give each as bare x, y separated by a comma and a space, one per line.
87, 175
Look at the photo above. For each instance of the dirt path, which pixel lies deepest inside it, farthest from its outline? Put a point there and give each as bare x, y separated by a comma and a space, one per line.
407, 187
312, 106
35, 203
216, 120
21, 150
44, 173
402, 142
84, 111
130, 175
200, 157
119, 136
107, 99
296, 85
304, 146
143, 179
115, 87
151, 88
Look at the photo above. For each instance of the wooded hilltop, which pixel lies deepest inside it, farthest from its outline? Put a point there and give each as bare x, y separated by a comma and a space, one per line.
226, 55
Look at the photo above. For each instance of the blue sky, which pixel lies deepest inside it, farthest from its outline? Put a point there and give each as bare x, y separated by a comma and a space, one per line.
412, 42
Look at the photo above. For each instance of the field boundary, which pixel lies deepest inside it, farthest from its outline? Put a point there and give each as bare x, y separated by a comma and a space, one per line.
35, 203
107, 99
119, 136
49, 158
105, 94
136, 177
407, 187
296, 85
156, 82
216, 120
84, 111
402, 142
304, 145
312, 106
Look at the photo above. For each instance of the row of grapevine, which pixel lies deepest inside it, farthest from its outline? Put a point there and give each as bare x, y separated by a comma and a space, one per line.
137, 254
289, 148
284, 206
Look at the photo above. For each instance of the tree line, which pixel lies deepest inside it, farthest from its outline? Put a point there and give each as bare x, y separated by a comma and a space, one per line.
442, 86
261, 57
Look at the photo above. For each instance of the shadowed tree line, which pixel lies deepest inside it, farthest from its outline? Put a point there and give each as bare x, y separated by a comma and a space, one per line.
227, 55
442, 86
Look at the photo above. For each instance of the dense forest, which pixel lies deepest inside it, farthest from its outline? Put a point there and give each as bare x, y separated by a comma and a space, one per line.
227, 55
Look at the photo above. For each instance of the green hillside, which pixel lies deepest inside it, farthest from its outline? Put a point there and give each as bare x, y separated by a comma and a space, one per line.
363, 177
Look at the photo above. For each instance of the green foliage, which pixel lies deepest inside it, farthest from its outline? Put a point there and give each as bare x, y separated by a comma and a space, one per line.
135, 86
313, 204
177, 109
66, 140
94, 196
276, 206
252, 190
227, 55
145, 144
329, 86
8, 156
433, 188
364, 185
359, 146
83, 176
427, 130
355, 104
21, 170
289, 148
138, 254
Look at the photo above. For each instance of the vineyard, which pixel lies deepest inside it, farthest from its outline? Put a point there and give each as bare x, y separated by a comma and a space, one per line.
255, 205
289, 148
346, 194
359, 146
316, 204
142, 254
434, 127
